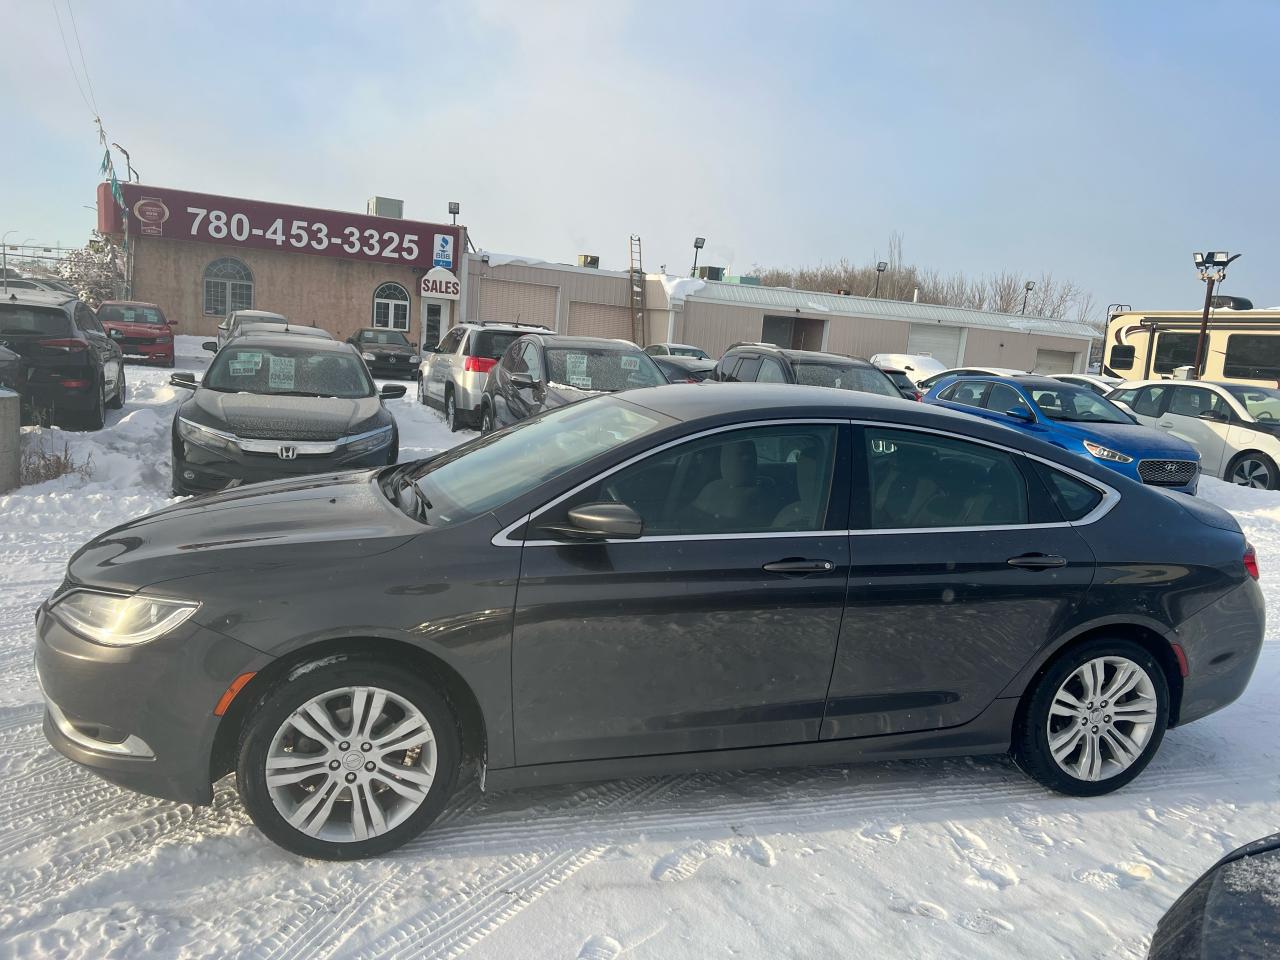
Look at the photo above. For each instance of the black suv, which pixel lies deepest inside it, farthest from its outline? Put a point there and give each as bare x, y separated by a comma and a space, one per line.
71, 366
766, 363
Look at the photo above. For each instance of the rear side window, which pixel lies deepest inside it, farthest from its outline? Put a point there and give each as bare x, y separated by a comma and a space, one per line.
1073, 498
842, 377
18, 319
1121, 357
968, 392
491, 343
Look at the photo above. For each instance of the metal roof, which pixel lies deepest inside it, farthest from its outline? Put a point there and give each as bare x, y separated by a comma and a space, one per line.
790, 300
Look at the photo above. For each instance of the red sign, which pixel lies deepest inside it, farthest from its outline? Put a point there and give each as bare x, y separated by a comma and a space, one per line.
235, 222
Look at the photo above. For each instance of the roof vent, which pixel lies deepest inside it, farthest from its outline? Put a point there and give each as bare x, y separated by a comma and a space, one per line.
589, 260
1230, 303
711, 273
386, 207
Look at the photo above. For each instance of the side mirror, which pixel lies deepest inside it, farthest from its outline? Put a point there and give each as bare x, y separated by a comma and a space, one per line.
521, 381
1021, 413
429, 349
392, 391
600, 521
1217, 416
210, 345
183, 379
223, 325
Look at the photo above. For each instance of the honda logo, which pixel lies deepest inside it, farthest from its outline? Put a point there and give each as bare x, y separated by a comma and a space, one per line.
287, 453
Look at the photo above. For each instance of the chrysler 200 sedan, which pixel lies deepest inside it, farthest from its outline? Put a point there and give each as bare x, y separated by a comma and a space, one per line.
667, 580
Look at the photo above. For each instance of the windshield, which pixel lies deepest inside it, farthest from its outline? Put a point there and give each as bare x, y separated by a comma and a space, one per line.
845, 377
391, 338
117, 313
1263, 403
46, 321
599, 368
498, 468
292, 371
1071, 404
690, 352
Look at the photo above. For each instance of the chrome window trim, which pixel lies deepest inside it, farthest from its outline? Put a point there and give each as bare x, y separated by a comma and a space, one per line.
1110, 496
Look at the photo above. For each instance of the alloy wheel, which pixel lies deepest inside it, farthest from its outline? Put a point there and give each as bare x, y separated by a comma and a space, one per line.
351, 764
1251, 473
450, 411
1102, 718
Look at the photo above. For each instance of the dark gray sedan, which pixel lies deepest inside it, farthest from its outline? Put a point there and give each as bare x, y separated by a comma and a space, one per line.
667, 580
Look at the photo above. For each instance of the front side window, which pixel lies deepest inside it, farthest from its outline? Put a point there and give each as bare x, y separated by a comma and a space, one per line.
1193, 401
771, 372
747, 369
228, 287
288, 371
533, 362
921, 480
1124, 396
1175, 350
1071, 404
1263, 403
391, 307
599, 368
754, 480
1252, 356
1148, 401
1003, 398
845, 377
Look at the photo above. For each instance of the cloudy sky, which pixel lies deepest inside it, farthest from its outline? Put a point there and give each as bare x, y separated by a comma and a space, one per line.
1101, 142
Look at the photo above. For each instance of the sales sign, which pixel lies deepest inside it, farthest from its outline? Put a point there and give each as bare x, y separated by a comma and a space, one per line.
439, 284
254, 224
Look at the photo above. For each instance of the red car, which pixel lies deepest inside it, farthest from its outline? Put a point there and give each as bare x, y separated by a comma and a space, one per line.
140, 330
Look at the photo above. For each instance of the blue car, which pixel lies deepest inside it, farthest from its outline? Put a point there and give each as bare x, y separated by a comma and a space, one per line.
1076, 419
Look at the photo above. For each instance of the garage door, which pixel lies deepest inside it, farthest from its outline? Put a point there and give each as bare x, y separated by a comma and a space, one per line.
1055, 361
504, 301
599, 320
935, 340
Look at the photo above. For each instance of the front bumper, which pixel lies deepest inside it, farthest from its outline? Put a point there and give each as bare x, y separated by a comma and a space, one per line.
393, 367
1222, 643
213, 469
139, 716
160, 354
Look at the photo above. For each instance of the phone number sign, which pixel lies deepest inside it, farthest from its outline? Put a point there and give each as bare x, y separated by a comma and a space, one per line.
181, 215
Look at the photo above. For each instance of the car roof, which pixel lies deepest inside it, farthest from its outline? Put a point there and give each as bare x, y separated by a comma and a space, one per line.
382, 330
684, 361
42, 298
565, 340
256, 313
259, 328
127, 303
800, 355
273, 339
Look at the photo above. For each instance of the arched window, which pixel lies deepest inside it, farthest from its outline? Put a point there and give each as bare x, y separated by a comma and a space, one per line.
228, 286
391, 307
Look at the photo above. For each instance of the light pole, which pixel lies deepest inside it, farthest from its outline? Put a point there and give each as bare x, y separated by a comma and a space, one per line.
698, 244
455, 208
1026, 290
127, 164
4, 259
881, 267
1213, 270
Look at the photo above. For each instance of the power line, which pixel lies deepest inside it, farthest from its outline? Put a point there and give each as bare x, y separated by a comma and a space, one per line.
70, 63
83, 66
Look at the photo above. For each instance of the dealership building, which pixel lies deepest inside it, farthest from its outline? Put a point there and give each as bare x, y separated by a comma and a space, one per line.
200, 256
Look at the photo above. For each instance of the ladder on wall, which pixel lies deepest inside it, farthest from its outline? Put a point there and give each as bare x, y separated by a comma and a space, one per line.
635, 278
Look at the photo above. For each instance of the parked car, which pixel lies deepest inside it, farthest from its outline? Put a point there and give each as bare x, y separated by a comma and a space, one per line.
933, 379
676, 350
272, 328
230, 326
664, 580
38, 283
1099, 385
387, 352
453, 374
140, 329
1076, 419
906, 386
11, 377
917, 366
72, 368
765, 363
682, 369
541, 371
1231, 913
279, 406
1235, 427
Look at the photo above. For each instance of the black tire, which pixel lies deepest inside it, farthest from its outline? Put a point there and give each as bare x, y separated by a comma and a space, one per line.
1030, 746
450, 410
274, 707
1248, 464
486, 419
422, 392
95, 418
118, 400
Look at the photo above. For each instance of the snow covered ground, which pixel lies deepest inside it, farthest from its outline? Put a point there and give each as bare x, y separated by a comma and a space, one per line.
916, 859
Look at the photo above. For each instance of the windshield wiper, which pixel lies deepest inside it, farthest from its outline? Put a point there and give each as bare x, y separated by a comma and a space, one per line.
421, 497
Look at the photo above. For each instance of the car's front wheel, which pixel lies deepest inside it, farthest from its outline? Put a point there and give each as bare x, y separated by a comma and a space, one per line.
1094, 718
486, 419
1253, 469
348, 760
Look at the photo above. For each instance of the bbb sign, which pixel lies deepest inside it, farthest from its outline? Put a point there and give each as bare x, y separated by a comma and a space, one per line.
443, 256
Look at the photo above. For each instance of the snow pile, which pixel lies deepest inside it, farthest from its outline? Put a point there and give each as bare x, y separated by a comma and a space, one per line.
504, 259
678, 288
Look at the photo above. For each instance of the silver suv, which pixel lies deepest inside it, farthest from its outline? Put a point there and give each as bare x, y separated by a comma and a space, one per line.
452, 375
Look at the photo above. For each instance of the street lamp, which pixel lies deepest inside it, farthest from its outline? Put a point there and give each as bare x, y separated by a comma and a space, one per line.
4, 259
698, 244
881, 267
455, 208
132, 174
1213, 270
1026, 290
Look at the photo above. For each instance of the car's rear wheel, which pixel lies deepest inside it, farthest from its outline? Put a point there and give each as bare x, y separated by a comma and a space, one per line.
117, 401
487, 424
1094, 719
96, 416
348, 760
1253, 469
450, 410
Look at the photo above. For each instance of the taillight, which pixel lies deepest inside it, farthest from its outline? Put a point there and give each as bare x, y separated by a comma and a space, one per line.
74, 384
919, 396
1250, 560
478, 364
70, 345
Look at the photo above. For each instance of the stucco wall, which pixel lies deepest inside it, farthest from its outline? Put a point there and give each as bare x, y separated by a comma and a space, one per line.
1012, 348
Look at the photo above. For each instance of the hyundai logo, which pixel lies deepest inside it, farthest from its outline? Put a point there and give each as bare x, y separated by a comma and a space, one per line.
1171, 467
287, 453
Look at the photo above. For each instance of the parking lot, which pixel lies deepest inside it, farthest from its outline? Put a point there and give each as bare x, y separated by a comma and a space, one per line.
937, 858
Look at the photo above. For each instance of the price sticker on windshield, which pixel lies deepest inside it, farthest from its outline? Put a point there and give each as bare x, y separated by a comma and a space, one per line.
280, 373
629, 363
582, 383
575, 364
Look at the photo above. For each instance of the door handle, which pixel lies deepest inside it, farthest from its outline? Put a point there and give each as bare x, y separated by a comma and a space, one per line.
793, 566
1165, 426
1036, 561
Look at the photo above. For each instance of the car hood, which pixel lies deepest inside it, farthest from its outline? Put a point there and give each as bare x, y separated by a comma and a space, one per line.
1134, 440
258, 416
341, 517
138, 329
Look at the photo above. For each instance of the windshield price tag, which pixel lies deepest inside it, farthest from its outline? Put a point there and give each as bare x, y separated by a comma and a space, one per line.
629, 363
575, 364
582, 383
280, 374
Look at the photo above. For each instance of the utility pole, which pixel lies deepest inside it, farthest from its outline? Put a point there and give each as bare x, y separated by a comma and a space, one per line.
1213, 270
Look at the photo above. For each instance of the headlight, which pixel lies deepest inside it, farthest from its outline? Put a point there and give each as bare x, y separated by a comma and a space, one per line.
1105, 453
121, 621
369, 356
378, 438
204, 436
413, 358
